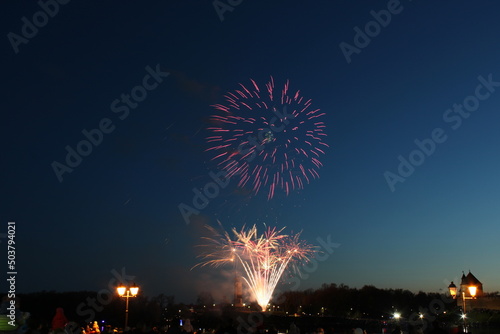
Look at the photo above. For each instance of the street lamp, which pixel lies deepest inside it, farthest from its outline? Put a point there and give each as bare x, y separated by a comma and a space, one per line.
127, 292
472, 291
453, 290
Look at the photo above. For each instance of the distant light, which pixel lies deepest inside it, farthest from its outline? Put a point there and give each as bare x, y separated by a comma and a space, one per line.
121, 290
397, 315
463, 316
472, 291
134, 290
421, 316
453, 290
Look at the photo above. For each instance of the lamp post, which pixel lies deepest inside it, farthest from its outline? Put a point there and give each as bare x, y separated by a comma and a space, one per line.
472, 291
127, 292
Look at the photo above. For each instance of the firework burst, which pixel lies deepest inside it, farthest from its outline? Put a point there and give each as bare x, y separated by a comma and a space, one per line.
264, 258
271, 138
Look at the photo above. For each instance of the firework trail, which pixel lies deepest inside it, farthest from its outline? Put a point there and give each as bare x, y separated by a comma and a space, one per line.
264, 258
271, 138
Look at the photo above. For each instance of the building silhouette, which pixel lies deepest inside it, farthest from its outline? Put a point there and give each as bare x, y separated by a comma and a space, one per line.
482, 300
238, 292
470, 280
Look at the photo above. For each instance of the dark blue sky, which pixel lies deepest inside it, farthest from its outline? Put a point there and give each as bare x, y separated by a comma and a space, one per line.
119, 207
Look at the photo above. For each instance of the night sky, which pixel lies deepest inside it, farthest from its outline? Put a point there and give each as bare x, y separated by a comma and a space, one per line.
409, 188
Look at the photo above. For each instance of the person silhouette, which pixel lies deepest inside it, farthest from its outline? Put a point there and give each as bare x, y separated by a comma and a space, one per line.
59, 320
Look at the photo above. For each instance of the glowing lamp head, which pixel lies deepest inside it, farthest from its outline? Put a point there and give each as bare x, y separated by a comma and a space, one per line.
397, 315
121, 290
134, 290
453, 290
472, 291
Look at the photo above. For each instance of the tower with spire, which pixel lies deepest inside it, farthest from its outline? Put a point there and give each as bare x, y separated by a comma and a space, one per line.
470, 280
238, 292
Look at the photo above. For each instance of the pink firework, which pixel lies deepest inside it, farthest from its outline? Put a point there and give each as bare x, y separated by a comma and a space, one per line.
269, 138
